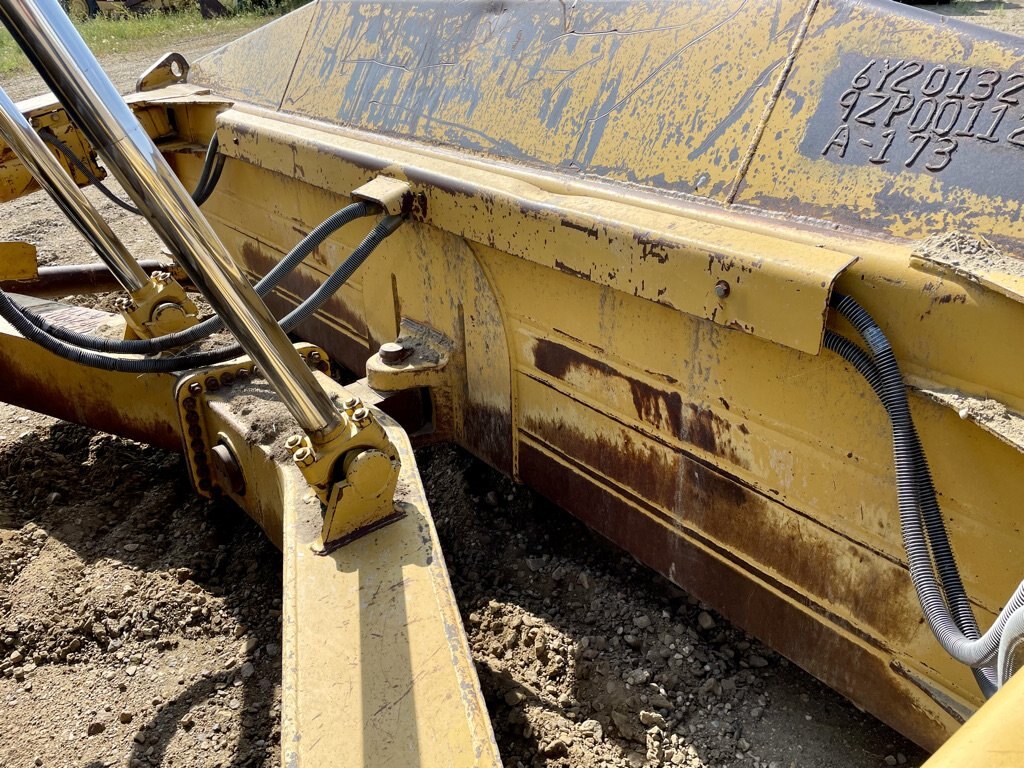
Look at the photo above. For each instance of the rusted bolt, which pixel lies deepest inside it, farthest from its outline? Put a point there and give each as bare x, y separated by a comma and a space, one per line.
226, 469
350, 404
293, 443
194, 430
198, 444
393, 353
191, 417
195, 388
189, 403
722, 289
212, 384
361, 416
227, 378
304, 457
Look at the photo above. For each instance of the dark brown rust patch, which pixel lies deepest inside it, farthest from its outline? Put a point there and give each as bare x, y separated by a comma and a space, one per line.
561, 266
36, 386
589, 231
650, 473
300, 283
741, 593
688, 491
655, 407
341, 348
702, 427
414, 206
488, 434
661, 409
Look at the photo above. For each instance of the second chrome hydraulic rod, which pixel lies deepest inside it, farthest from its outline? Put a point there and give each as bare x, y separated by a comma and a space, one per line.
47, 171
45, 33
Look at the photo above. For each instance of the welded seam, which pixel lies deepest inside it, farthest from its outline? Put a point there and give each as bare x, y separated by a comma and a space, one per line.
295, 64
787, 67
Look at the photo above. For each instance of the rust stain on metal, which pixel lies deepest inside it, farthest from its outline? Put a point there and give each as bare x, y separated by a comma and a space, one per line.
488, 434
661, 409
743, 592
682, 490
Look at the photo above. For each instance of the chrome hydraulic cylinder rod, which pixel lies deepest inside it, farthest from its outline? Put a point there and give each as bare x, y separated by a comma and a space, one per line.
46, 35
47, 171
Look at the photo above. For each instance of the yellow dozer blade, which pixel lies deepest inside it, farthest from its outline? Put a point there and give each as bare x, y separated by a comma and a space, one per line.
740, 285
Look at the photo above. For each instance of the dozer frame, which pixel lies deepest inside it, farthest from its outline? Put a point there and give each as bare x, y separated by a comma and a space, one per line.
615, 282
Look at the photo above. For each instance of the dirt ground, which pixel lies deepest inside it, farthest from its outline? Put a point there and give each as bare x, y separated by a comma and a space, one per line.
140, 626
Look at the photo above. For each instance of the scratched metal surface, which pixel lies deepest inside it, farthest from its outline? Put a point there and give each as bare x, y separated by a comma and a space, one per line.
793, 107
897, 120
663, 94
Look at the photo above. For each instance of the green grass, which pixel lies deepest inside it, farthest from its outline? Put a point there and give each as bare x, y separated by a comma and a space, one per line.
106, 36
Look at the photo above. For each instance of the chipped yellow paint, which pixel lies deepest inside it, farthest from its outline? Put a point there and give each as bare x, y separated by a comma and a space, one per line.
975, 188
675, 260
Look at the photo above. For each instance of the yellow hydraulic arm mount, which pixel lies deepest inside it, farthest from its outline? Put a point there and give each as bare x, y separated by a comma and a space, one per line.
376, 668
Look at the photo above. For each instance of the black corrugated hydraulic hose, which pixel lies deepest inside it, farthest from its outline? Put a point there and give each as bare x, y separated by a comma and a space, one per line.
977, 652
50, 138
213, 165
935, 528
13, 314
211, 325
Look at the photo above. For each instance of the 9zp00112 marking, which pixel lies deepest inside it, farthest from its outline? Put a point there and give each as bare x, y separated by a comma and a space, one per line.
918, 116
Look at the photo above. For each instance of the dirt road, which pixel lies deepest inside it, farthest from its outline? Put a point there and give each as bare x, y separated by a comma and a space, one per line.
140, 627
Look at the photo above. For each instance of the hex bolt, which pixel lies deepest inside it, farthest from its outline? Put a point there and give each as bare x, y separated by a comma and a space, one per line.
195, 388
242, 375
392, 353
722, 289
212, 384
304, 457
350, 404
227, 378
293, 443
361, 417
189, 403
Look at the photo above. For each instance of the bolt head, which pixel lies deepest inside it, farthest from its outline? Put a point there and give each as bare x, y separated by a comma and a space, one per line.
293, 443
393, 352
350, 404
361, 416
722, 289
304, 457
195, 388
212, 384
